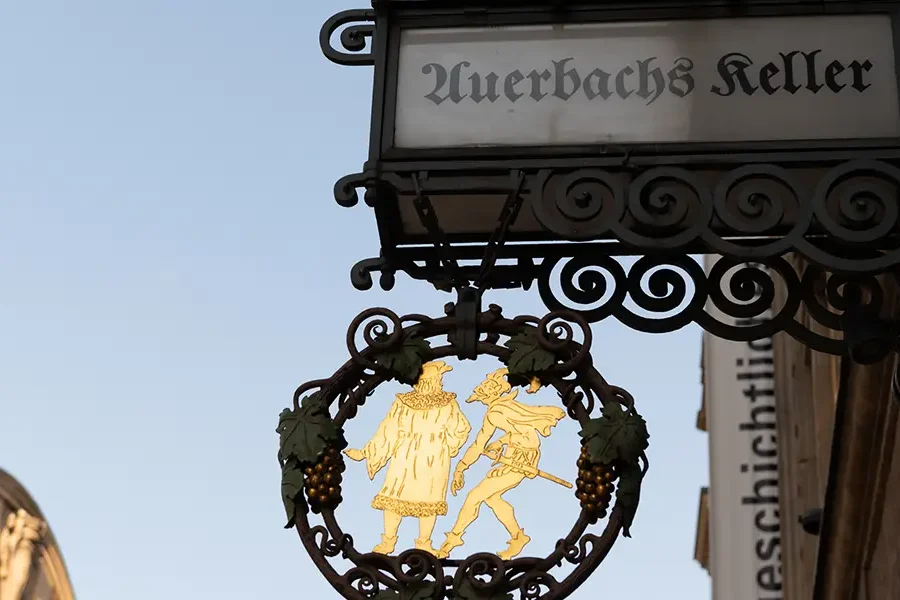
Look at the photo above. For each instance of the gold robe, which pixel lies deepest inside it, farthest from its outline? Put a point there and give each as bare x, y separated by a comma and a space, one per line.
419, 435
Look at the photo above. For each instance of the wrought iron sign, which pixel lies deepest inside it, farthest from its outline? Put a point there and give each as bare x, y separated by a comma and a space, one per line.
660, 130
541, 142
424, 431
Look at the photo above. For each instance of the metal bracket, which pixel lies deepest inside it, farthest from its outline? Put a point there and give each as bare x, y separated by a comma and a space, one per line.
428, 218
508, 215
454, 275
869, 338
466, 310
811, 521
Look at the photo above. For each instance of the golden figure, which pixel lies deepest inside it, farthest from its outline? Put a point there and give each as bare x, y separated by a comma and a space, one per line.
517, 453
423, 430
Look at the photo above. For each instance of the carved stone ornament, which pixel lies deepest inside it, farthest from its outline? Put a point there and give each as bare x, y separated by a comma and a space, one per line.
553, 352
20, 537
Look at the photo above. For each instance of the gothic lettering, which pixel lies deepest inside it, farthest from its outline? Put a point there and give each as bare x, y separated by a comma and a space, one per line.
648, 79
811, 83
440, 81
831, 72
536, 79
790, 85
562, 76
491, 84
858, 68
681, 73
765, 78
659, 83
597, 84
509, 85
621, 90
456, 96
733, 67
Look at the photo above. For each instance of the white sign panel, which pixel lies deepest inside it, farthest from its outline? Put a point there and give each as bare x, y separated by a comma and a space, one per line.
744, 524
726, 80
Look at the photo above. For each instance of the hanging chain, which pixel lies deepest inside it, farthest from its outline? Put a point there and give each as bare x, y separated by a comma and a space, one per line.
508, 215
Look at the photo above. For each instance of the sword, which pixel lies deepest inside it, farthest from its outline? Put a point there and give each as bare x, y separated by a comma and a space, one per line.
499, 458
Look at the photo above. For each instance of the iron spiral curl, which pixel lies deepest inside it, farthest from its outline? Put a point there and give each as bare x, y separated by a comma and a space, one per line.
668, 208
842, 219
581, 204
752, 212
354, 39
670, 293
381, 329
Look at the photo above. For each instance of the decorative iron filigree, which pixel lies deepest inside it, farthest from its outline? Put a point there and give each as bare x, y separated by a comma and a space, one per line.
669, 293
583, 393
842, 220
661, 294
354, 39
753, 212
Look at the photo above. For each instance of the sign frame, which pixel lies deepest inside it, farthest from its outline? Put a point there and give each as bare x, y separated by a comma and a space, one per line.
475, 172
400, 15
556, 216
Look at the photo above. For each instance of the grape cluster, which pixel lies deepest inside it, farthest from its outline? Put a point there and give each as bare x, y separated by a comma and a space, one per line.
594, 486
322, 481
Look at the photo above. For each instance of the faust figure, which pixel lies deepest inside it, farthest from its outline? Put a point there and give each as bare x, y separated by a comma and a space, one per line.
19, 539
423, 430
517, 453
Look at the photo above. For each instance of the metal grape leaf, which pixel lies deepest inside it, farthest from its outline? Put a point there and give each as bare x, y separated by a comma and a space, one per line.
307, 432
467, 591
628, 493
617, 435
422, 590
528, 356
405, 363
292, 490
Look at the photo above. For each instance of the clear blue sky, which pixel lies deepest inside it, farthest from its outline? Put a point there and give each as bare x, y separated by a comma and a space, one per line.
173, 265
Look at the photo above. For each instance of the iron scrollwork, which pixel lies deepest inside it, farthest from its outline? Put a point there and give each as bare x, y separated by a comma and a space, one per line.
750, 213
354, 38
669, 293
325, 405
839, 223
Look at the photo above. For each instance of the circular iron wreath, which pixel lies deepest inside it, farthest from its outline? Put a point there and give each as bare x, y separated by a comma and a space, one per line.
581, 389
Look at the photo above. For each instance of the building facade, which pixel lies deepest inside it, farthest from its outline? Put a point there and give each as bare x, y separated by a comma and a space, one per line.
835, 439
739, 528
31, 566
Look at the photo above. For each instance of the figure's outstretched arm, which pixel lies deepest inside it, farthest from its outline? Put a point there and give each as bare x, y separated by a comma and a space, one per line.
472, 454
378, 450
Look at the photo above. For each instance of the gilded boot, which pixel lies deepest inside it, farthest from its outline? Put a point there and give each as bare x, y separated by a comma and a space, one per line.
426, 546
387, 545
452, 541
515, 546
